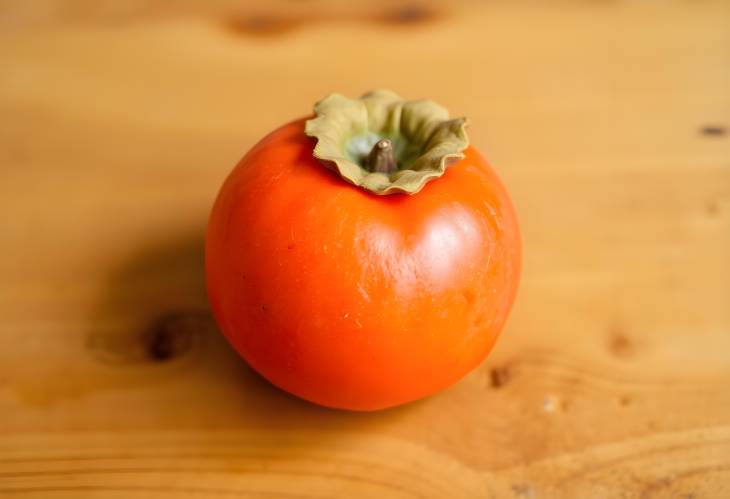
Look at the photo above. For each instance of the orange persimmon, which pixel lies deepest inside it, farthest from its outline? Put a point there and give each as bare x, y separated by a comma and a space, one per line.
362, 296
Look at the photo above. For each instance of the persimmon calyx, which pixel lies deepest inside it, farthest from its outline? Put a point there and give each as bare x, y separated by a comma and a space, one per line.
385, 144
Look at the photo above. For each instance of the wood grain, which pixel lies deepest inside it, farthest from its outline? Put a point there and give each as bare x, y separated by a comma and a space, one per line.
607, 120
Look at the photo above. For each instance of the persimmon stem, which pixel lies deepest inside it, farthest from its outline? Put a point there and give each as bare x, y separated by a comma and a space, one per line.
382, 157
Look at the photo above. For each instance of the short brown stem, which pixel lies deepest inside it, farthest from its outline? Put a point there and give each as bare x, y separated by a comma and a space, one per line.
382, 157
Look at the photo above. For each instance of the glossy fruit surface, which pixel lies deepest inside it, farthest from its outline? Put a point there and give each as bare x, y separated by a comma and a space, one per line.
353, 300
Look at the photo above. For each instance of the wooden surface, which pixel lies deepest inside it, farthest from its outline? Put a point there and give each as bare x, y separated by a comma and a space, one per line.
607, 120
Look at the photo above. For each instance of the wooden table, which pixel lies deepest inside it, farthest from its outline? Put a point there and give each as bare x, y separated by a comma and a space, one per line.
607, 120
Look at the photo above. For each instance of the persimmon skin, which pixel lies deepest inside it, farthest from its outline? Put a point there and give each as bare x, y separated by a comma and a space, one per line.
353, 300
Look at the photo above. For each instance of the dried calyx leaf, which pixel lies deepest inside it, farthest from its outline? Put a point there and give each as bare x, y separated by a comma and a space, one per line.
385, 144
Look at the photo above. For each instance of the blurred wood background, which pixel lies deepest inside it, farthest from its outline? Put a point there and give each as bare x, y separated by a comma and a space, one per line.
608, 120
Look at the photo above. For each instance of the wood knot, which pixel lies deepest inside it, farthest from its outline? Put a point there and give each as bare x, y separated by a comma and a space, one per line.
713, 130
499, 376
409, 15
619, 344
712, 208
171, 336
166, 338
624, 401
262, 25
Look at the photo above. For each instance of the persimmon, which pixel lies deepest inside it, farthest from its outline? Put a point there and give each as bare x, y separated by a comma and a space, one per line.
366, 257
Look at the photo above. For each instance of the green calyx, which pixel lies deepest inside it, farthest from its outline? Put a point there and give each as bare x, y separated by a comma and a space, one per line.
385, 144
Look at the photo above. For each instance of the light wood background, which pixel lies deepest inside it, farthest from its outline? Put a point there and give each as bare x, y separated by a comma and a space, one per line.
608, 120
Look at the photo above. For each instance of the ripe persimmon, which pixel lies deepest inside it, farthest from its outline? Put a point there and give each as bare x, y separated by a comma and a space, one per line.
371, 270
